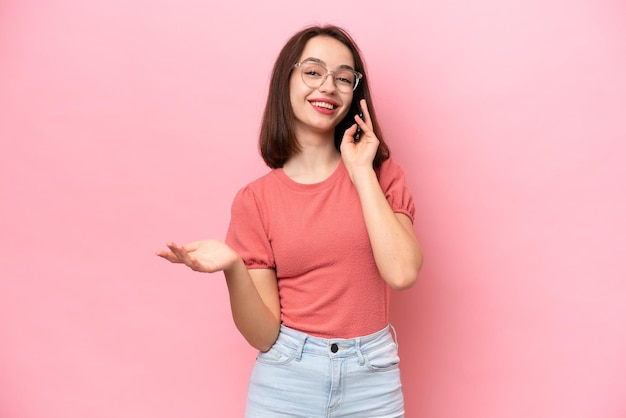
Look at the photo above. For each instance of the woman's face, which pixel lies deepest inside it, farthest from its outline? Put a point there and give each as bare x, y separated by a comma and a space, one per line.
320, 109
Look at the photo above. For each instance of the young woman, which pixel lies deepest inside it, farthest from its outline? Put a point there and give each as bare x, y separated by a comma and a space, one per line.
315, 245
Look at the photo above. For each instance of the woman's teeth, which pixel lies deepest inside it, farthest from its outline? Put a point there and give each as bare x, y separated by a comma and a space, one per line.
323, 104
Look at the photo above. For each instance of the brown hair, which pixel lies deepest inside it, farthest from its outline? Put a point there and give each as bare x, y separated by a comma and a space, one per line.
277, 139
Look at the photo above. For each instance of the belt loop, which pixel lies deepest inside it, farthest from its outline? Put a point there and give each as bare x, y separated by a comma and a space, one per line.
358, 352
395, 336
300, 348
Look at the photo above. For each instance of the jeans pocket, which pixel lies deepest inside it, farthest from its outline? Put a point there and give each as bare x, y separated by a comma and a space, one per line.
382, 358
278, 354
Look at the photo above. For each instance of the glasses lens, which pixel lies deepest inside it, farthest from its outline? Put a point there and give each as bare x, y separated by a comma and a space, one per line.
313, 75
344, 80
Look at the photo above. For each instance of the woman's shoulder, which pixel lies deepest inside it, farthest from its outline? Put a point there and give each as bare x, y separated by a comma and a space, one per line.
261, 181
259, 186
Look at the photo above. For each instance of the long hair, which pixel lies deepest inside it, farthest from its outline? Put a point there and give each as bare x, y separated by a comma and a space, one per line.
277, 139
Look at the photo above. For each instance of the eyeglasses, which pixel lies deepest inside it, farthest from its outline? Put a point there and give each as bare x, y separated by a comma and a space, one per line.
314, 75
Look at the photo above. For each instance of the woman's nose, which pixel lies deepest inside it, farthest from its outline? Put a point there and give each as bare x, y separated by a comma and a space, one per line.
328, 83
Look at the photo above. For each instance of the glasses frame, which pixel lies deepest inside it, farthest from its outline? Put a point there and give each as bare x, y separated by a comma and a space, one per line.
358, 75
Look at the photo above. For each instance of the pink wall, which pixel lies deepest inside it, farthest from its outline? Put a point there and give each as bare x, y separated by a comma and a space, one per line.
124, 124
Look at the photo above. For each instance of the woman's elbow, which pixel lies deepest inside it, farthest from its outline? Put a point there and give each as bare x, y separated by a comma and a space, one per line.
263, 347
405, 278
264, 339
263, 344
404, 281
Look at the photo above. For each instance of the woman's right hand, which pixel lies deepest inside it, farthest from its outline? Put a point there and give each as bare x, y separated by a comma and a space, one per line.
207, 256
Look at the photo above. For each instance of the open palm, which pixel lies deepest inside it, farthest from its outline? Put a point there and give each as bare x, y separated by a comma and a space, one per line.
206, 256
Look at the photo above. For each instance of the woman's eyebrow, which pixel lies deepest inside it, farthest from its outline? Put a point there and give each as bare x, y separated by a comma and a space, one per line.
314, 60
319, 61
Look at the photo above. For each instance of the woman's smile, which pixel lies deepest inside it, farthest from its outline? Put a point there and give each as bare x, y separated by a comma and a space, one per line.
324, 106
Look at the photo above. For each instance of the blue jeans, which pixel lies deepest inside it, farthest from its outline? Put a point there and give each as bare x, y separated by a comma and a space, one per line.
304, 376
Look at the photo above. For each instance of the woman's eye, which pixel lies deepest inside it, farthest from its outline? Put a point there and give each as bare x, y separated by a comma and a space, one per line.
344, 80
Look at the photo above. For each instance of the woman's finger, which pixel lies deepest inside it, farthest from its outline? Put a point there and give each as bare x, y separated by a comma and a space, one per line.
169, 256
180, 253
348, 135
366, 112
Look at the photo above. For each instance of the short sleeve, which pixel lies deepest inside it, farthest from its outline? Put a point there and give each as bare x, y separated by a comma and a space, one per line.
392, 181
247, 233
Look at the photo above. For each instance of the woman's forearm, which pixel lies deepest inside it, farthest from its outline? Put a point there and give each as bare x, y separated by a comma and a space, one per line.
396, 251
254, 304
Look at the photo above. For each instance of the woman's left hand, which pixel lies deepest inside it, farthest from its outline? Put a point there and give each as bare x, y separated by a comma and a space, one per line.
358, 155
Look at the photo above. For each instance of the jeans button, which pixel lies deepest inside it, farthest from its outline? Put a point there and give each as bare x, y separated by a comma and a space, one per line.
334, 347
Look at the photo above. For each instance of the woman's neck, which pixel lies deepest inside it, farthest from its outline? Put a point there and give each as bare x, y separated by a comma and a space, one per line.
316, 161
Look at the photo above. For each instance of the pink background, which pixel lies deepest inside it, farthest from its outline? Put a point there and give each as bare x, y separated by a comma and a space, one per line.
127, 123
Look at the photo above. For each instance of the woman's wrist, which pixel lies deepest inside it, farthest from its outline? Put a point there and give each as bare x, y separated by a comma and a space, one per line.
236, 266
363, 176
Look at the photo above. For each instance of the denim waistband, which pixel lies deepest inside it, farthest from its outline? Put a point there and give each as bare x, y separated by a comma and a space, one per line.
335, 347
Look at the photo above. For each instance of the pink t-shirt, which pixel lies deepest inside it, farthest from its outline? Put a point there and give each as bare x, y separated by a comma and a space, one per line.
314, 235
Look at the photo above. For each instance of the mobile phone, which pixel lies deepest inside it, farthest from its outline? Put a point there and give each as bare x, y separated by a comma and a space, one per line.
357, 135
347, 122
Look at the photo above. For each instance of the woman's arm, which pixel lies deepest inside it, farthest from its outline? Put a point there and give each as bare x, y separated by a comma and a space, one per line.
397, 253
253, 293
254, 304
